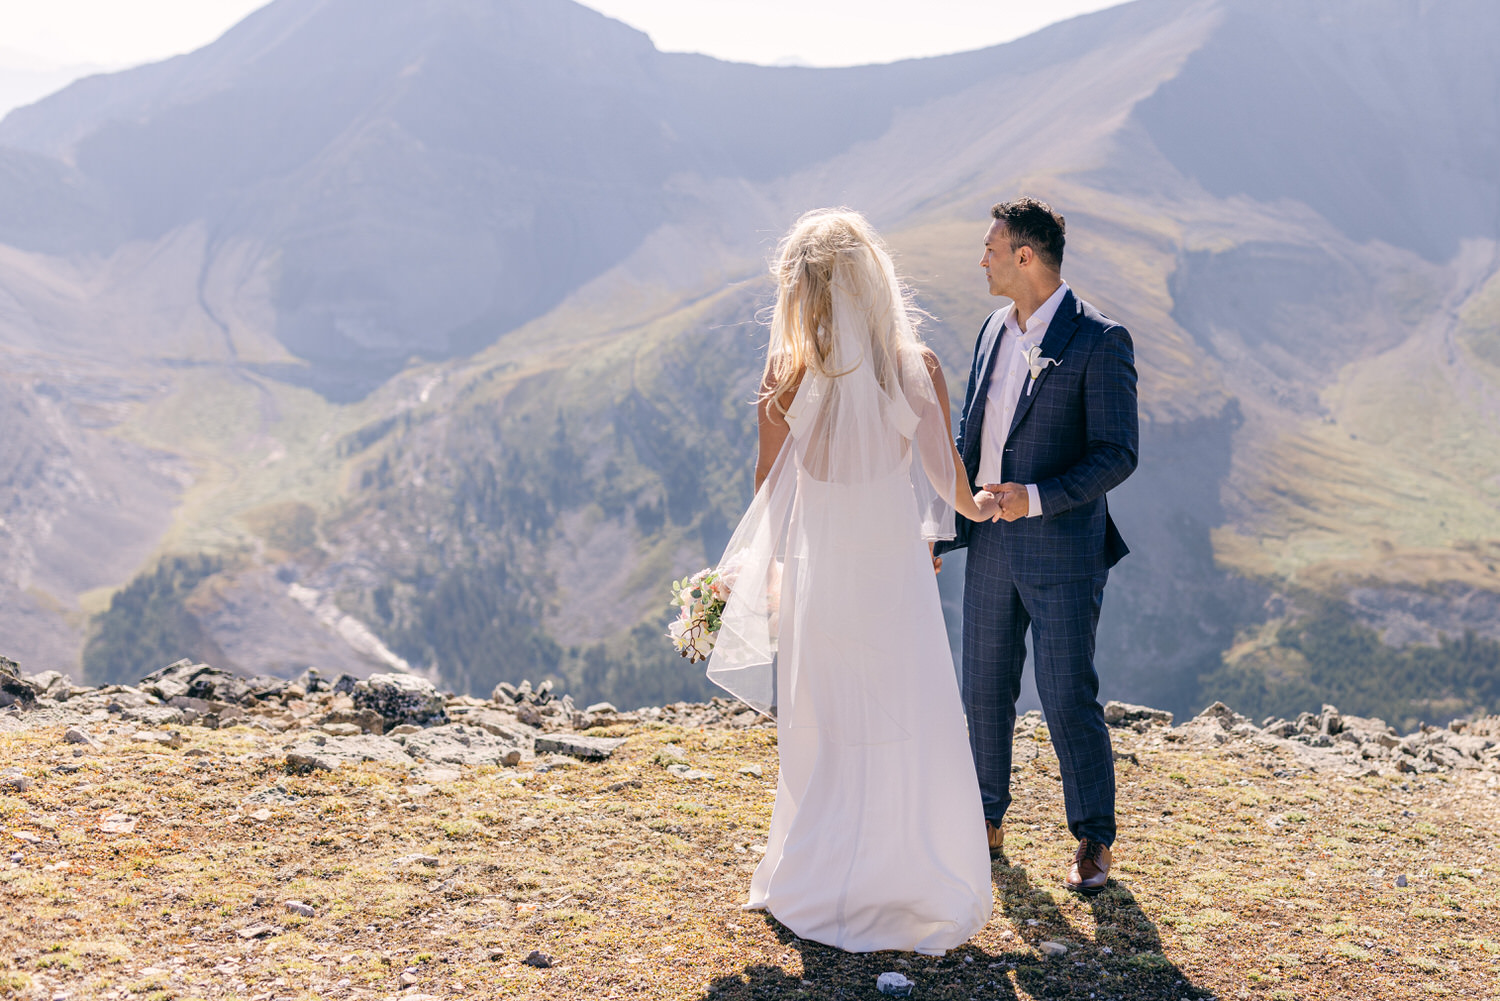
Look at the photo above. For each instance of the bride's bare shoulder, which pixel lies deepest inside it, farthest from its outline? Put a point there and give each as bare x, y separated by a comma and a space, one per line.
930, 359
773, 400
934, 370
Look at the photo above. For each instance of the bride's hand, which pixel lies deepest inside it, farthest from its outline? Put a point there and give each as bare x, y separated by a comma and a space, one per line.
988, 505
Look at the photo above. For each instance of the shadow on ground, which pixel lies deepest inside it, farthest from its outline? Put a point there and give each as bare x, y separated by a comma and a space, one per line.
1123, 960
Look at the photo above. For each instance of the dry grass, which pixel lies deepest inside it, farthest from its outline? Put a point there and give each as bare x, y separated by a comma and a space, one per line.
1231, 881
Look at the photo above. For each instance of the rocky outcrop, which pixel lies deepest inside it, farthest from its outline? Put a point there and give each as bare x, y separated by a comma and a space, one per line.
401, 699
457, 744
328, 723
322, 752
1330, 739
13, 689
405, 720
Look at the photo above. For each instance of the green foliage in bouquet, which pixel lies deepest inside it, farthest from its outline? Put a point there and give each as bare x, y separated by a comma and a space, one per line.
702, 598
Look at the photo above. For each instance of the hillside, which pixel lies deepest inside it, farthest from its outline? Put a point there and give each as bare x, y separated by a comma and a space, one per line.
432, 327
157, 852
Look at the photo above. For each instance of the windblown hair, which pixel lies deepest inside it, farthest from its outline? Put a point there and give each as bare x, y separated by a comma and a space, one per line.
828, 250
1034, 224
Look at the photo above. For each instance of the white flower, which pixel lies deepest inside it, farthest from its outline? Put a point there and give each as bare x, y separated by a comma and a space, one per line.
1035, 361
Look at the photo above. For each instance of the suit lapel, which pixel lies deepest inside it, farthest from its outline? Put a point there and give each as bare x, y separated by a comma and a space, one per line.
1059, 332
974, 420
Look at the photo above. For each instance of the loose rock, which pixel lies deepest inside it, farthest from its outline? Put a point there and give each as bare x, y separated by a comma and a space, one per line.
401, 698
51, 685
164, 738
894, 984
342, 729
198, 681
577, 746
13, 690
273, 795
363, 720
1122, 713
427, 860
539, 959
309, 755
458, 744
256, 931
299, 908
118, 823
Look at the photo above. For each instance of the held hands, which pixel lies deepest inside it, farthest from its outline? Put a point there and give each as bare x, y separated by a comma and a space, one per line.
988, 504
1013, 500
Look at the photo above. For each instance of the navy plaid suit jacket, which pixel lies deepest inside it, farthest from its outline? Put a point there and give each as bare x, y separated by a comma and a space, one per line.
1075, 436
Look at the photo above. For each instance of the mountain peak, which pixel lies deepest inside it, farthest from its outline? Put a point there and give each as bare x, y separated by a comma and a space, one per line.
303, 46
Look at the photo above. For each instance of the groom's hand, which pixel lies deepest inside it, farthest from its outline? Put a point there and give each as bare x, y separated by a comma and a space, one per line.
1015, 503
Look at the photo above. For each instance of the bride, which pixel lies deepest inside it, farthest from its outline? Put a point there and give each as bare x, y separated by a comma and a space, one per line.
834, 623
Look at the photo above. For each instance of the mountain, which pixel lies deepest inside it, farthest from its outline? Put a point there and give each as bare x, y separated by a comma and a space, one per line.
421, 333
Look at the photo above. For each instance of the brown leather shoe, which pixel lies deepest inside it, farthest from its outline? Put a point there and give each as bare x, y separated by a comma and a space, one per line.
1090, 868
996, 836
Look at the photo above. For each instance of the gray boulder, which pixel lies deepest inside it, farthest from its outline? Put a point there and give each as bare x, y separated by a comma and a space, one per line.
117, 698
367, 720
1123, 714
458, 744
14, 691
197, 681
1215, 725
154, 716
51, 685
577, 746
312, 681
503, 725
401, 698
328, 753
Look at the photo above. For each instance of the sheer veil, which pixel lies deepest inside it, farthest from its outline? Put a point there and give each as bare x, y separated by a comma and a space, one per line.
866, 469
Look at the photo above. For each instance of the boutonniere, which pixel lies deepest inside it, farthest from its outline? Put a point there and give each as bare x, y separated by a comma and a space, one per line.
1037, 364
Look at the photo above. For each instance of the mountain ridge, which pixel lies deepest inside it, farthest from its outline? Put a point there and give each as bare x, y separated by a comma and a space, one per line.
504, 493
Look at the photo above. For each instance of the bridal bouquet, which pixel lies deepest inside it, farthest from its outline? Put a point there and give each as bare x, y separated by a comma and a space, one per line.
702, 598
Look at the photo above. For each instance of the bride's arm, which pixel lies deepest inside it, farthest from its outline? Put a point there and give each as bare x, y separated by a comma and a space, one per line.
980, 506
770, 420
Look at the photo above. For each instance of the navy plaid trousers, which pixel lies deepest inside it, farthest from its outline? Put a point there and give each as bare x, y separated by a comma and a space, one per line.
1062, 618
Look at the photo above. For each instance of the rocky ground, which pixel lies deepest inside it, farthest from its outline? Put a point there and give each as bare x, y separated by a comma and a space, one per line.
199, 835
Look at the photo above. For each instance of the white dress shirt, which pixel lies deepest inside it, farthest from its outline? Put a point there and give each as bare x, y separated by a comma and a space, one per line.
1006, 384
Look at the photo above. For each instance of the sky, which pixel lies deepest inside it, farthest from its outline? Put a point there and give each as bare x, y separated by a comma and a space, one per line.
45, 45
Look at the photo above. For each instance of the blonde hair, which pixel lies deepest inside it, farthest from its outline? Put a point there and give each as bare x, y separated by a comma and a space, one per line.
828, 249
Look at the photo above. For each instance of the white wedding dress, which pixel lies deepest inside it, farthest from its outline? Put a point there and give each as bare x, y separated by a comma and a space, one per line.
877, 835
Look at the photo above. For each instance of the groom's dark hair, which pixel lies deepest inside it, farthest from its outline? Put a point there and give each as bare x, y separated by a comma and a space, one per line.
1033, 224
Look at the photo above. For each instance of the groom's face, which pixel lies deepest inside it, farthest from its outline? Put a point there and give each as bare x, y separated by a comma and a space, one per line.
999, 261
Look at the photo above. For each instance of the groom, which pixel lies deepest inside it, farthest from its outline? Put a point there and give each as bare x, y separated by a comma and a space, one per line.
1049, 425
